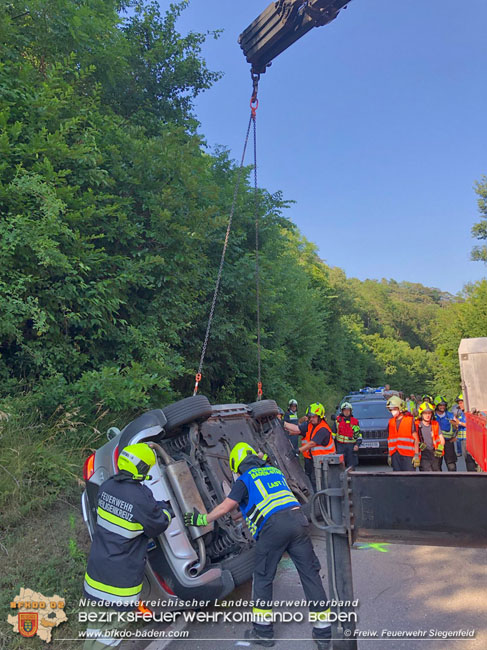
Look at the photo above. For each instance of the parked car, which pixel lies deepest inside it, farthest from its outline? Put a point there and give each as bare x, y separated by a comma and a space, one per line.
371, 411
192, 440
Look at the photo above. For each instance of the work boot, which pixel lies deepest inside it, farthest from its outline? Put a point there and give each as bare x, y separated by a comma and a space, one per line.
322, 638
252, 636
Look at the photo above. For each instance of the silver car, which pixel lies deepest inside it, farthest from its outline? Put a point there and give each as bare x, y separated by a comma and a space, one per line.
192, 440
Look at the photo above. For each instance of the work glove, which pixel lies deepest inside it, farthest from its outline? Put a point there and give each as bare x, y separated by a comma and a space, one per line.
389, 461
422, 446
167, 509
439, 451
415, 461
195, 519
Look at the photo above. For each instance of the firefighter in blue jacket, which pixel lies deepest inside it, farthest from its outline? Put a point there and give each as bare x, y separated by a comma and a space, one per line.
274, 517
127, 516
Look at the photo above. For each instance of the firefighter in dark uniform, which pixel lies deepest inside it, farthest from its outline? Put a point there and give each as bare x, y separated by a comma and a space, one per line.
127, 516
291, 416
348, 437
274, 517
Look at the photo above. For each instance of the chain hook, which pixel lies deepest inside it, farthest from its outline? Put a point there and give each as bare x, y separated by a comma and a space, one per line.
197, 379
254, 102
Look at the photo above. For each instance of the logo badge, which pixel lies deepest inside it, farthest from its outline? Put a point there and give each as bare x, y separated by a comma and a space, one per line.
28, 623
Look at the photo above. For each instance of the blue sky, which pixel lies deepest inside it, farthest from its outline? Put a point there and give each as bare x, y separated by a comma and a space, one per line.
375, 125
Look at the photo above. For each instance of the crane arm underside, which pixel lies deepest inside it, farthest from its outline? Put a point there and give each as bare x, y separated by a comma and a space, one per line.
283, 23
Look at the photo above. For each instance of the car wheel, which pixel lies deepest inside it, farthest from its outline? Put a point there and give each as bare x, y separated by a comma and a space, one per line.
267, 408
187, 410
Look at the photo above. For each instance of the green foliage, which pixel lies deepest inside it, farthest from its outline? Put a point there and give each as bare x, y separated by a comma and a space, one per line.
466, 319
479, 230
112, 219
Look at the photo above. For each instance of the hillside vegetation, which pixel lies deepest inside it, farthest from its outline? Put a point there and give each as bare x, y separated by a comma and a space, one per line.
112, 219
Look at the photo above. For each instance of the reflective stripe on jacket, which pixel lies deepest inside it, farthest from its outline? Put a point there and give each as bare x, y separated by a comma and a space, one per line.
319, 450
268, 493
127, 516
348, 429
401, 439
445, 424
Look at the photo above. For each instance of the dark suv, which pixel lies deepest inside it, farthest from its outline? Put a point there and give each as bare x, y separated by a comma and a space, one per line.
371, 411
192, 440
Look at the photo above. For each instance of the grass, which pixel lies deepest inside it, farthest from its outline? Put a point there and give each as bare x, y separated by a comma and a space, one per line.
43, 539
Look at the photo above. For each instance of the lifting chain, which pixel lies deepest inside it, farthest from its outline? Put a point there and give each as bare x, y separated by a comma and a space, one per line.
254, 103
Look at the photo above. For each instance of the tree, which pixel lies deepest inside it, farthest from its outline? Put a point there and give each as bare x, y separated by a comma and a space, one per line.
479, 230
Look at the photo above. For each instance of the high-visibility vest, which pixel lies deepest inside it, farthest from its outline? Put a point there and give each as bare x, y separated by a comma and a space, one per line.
411, 406
319, 450
348, 429
435, 432
401, 439
268, 493
445, 424
292, 417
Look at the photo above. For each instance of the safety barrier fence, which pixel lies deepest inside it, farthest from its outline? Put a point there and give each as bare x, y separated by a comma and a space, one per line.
477, 439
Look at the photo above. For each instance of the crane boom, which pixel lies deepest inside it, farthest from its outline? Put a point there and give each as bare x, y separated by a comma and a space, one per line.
281, 24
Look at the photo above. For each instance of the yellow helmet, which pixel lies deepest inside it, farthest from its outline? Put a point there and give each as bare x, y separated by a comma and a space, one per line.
137, 459
238, 454
460, 397
316, 409
425, 406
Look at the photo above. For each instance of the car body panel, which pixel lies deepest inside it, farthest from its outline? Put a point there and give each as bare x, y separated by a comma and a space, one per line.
175, 557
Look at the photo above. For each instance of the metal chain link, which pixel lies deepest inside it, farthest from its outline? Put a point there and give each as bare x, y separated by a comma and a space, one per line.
257, 269
222, 260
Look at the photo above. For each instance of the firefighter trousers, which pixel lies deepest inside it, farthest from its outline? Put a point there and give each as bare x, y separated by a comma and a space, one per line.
429, 462
287, 530
450, 457
349, 455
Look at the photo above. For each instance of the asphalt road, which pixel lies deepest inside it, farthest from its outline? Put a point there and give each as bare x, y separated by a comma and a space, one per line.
400, 588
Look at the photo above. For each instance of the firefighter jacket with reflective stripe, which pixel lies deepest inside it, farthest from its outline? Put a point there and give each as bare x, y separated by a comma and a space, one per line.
435, 433
445, 424
401, 438
319, 450
127, 516
268, 493
348, 430
291, 417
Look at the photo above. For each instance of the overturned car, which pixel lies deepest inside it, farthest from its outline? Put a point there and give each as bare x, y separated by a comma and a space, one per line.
192, 440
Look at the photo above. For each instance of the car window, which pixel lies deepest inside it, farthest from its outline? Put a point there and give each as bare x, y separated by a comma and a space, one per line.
364, 410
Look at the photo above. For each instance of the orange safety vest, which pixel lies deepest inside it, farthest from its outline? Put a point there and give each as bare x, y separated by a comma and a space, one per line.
435, 432
401, 440
318, 450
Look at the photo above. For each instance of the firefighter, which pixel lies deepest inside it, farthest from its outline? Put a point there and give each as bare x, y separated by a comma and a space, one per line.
429, 438
411, 405
348, 437
444, 419
402, 444
460, 420
317, 438
127, 516
275, 519
291, 416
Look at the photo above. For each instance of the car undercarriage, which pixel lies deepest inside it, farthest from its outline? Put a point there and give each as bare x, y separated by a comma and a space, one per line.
192, 440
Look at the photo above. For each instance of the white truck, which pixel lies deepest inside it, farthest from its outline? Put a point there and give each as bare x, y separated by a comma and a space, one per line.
472, 354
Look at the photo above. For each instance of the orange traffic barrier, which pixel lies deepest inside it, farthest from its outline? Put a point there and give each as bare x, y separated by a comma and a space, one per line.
477, 439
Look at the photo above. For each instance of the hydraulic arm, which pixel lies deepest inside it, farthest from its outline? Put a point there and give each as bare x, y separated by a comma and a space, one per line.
281, 24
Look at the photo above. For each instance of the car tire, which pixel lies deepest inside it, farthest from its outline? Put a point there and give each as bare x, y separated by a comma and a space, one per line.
190, 409
267, 408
